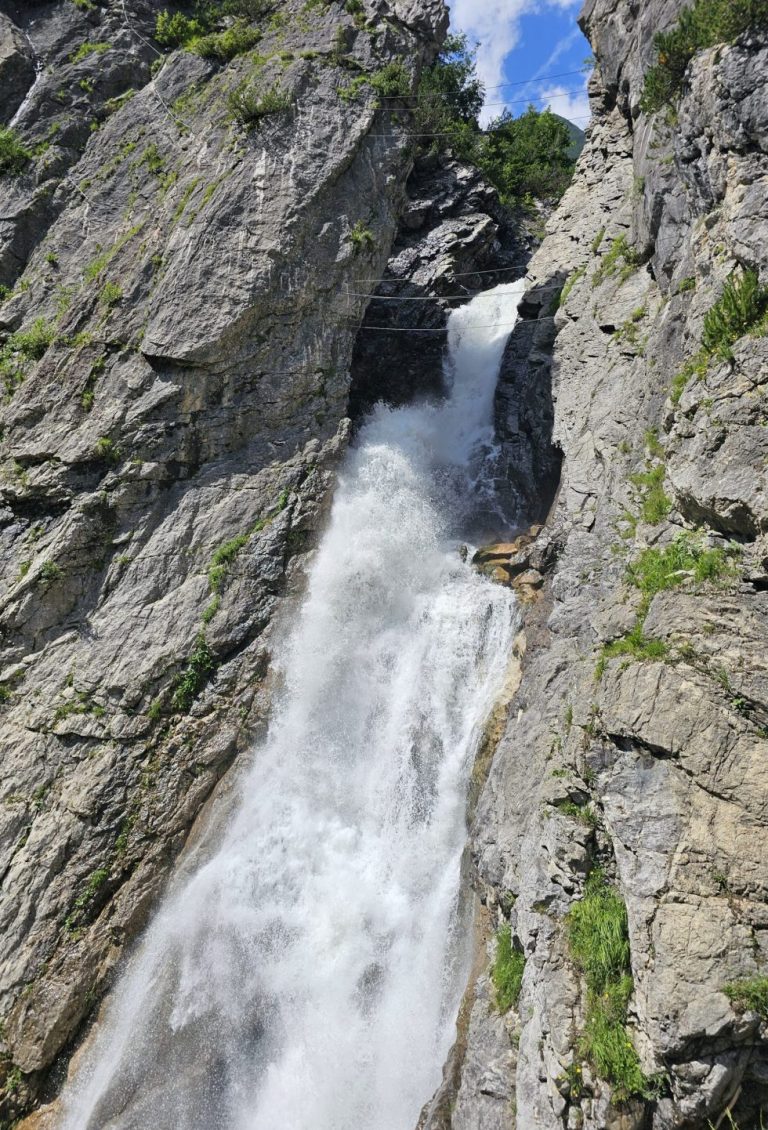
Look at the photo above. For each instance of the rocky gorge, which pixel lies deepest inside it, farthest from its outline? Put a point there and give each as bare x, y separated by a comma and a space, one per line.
188, 330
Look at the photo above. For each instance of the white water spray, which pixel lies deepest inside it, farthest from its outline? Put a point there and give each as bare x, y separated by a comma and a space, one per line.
308, 975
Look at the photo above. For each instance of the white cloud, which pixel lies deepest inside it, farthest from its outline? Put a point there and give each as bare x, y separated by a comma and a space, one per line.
568, 102
495, 26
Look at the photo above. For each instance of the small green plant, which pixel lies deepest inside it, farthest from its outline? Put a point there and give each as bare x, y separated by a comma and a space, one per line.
636, 645
570, 283
749, 995
96, 881
392, 81
507, 970
199, 669
629, 330
620, 259
656, 505
86, 49
14, 154
22, 348
248, 107
597, 242
211, 608
653, 445
222, 560
704, 24
362, 237
584, 813
105, 450
111, 294
685, 285
50, 572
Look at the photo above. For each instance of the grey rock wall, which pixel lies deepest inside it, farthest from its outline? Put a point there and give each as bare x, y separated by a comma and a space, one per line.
667, 754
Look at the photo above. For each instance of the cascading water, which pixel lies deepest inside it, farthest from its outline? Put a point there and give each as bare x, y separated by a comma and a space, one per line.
307, 975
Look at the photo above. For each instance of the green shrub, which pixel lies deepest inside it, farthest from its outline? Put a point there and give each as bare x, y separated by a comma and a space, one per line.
742, 306
198, 671
527, 156
226, 45
392, 81
14, 155
50, 571
507, 970
174, 29
249, 108
105, 450
750, 995
704, 24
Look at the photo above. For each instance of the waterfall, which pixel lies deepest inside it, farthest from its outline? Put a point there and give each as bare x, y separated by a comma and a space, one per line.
306, 974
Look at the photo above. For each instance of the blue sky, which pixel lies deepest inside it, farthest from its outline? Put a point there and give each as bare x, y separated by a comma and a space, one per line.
537, 40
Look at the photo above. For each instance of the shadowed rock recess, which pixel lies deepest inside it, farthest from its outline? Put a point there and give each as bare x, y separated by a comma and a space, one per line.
182, 297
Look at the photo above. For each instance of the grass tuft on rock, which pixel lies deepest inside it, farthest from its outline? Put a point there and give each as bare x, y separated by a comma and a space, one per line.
684, 560
598, 938
507, 970
749, 995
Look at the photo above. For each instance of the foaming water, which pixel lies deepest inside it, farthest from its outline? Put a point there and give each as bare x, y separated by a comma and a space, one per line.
307, 976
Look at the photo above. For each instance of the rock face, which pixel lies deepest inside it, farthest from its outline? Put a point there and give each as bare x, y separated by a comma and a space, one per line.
646, 753
176, 369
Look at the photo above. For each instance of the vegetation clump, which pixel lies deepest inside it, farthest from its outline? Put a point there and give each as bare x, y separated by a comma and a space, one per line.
525, 158
704, 24
507, 970
621, 259
200, 667
86, 49
655, 505
749, 995
392, 81
226, 45
222, 560
249, 107
362, 237
202, 32
741, 307
684, 560
598, 938
22, 348
14, 155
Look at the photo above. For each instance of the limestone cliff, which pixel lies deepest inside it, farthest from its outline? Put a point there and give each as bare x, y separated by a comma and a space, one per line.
637, 740
178, 237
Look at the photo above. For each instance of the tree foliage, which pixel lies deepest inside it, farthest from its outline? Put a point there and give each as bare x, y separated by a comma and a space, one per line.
522, 157
529, 155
